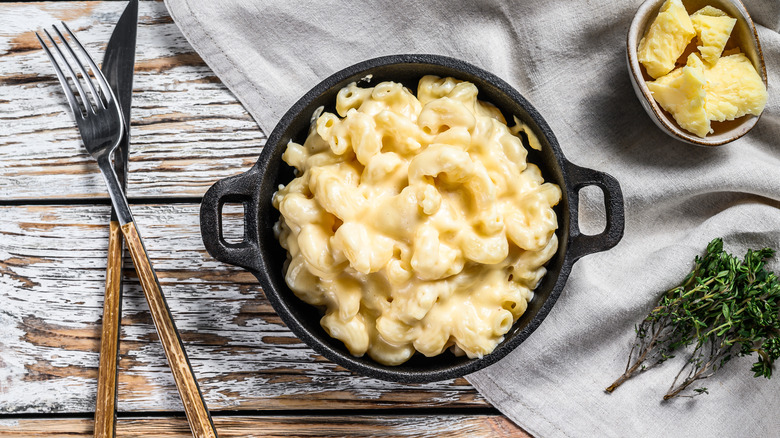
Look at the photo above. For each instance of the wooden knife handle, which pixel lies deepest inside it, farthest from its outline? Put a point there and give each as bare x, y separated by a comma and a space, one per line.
105, 408
194, 406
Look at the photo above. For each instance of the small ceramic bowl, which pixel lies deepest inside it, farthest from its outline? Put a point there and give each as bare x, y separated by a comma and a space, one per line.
743, 36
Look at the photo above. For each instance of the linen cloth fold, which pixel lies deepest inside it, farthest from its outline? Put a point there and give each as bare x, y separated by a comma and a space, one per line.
568, 59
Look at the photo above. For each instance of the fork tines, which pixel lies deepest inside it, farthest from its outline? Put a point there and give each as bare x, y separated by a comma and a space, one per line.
100, 101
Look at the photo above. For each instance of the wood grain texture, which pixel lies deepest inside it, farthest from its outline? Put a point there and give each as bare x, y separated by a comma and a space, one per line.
188, 129
194, 407
52, 273
105, 405
451, 426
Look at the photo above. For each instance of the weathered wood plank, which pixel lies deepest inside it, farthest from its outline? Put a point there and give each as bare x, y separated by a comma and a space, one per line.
455, 426
187, 129
52, 270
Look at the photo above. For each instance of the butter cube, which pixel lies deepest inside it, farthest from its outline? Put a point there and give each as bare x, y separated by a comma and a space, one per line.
665, 41
682, 94
734, 89
713, 29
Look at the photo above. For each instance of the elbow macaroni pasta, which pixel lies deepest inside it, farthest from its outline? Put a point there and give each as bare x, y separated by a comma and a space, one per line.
415, 221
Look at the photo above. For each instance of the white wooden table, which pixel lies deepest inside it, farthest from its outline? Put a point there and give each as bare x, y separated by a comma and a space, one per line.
188, 132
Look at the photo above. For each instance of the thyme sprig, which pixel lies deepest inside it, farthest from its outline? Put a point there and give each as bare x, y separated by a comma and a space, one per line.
725, 307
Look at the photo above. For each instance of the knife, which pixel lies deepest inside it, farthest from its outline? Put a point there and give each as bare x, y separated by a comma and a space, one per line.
117, 66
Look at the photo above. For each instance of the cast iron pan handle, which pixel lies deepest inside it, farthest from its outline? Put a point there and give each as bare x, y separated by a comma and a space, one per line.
581, 244
241, 188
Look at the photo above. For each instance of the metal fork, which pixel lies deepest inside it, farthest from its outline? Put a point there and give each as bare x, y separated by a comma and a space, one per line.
101, 126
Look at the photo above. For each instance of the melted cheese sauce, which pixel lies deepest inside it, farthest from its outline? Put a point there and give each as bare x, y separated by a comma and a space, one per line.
415, 222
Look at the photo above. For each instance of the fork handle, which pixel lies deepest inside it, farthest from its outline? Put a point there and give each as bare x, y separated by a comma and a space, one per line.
105, 407
194, 406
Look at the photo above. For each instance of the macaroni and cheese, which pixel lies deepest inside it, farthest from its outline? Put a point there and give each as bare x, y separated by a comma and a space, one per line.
415, 221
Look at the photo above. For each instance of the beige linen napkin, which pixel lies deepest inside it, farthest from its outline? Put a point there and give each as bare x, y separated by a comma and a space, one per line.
567, 58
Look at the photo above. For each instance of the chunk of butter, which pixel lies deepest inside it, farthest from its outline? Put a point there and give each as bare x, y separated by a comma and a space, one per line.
682, 93
713, 29
665, 41
734, 89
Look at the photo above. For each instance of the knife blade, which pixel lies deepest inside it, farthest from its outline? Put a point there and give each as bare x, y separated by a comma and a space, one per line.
117, 66
118, 63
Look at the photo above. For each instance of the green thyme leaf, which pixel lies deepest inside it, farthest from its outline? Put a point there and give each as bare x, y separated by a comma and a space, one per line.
725, 308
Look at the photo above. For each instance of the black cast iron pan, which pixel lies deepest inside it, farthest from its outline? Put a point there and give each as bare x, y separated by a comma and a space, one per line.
261, 254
